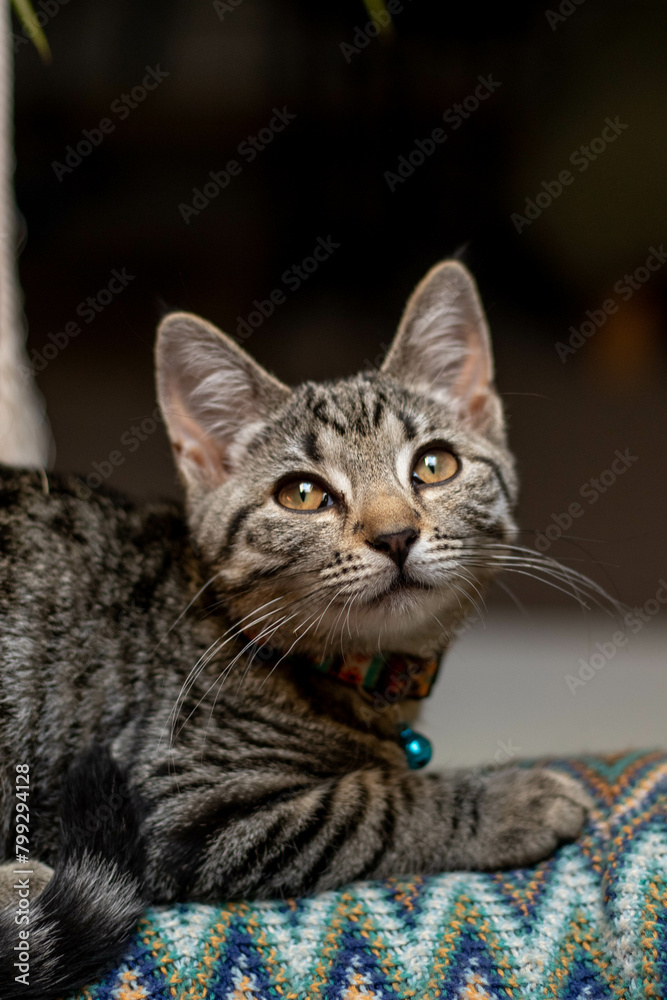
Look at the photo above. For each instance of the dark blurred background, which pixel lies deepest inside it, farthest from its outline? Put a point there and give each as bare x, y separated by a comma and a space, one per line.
556, 75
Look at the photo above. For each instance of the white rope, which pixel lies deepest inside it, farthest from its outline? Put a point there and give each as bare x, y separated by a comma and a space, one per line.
24, 434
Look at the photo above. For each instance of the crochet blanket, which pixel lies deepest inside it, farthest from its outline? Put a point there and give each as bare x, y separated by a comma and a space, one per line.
591, 922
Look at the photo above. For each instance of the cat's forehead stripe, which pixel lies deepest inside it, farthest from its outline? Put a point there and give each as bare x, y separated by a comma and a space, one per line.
409, 425
356, 407
310, 446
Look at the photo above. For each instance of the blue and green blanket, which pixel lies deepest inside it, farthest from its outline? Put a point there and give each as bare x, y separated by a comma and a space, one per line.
587, 924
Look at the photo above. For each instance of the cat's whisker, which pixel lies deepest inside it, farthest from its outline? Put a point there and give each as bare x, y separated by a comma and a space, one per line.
222, 676
350, 605
510, 593
224, 603
187, 608
445, 632
473, 584
217, 645
468, 596
338, 617
545, 579
266, 634
301, 624
576, 581
349, 611
321, 616
205, 658
295, 632
505, 555
304, 622
276, 665
456, 594
326, 641
526, 550
213, 649
347, 606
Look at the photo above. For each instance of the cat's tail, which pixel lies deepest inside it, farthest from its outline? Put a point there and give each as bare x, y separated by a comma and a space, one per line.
88, 910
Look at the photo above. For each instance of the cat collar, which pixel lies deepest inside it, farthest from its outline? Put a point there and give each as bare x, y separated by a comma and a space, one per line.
393, 677
385, 680
388, 679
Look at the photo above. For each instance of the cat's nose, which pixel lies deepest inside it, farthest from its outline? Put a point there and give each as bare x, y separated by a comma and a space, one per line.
396, 545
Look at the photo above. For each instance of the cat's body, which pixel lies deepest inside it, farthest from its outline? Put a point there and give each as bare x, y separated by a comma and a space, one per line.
254, 774
123, 655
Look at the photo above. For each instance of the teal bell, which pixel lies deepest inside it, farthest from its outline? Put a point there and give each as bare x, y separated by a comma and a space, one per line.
416, 747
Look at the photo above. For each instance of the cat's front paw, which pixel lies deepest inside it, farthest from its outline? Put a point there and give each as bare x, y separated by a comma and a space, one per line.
527, 814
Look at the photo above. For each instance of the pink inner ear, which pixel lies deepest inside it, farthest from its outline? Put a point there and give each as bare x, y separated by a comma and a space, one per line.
209, 390
194, 447
478, 404
474, 377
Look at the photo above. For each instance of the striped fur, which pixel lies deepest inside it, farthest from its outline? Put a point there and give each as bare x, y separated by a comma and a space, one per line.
125, 626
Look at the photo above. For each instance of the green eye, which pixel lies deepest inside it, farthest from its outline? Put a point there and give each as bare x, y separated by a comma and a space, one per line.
434, 466
299, 494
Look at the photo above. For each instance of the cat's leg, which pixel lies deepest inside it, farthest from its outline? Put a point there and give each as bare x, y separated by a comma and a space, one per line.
15, 878
273, 835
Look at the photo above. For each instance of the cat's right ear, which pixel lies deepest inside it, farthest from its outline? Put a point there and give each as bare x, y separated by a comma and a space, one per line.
443, 348
209, 391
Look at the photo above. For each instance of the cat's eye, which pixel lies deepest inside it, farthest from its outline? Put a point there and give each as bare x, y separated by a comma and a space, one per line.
302, 494
435, 465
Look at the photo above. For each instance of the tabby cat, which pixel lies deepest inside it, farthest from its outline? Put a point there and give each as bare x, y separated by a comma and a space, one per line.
210, 701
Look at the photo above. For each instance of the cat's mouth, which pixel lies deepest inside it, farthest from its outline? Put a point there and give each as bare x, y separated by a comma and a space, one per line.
399, 585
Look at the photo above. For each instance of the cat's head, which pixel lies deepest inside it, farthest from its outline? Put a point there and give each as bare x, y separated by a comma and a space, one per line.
354, 515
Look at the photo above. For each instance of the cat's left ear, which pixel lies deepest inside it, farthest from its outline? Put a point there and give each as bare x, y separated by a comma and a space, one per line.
443, 348
209, 390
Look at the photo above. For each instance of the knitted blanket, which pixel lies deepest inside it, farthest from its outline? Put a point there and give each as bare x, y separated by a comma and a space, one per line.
591, 922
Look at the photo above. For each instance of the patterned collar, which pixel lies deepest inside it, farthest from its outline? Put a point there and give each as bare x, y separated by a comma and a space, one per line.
394, 676
390, 677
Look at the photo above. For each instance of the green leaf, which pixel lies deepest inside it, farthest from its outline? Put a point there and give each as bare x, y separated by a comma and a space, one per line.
26, 15
378, 7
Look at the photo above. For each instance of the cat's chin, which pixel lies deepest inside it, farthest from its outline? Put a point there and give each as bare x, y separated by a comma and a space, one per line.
398, 590
406, 618
409, 615
409, 618
391, 613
